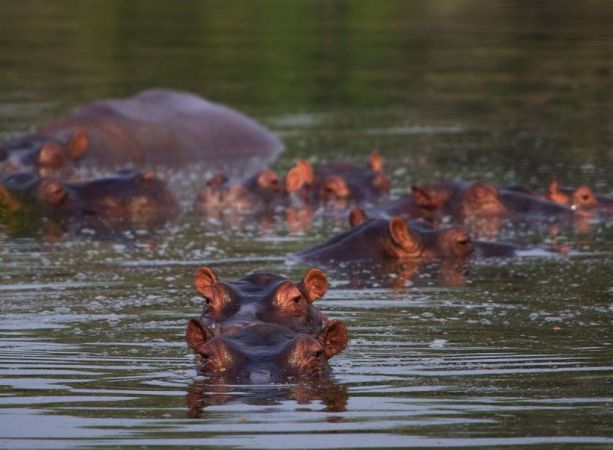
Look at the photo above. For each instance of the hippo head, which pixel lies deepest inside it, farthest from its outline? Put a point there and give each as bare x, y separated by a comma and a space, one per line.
478, 199
262, 297
339, 184
265, 352
581, 198
18, 191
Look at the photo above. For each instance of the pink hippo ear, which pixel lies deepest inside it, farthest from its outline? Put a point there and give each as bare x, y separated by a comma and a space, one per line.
333, 338
197, 334
204, 279
51, 156
78, 145
52, 191
401, 234
299, 175
376, 162
422, 197
357, 216
314, 284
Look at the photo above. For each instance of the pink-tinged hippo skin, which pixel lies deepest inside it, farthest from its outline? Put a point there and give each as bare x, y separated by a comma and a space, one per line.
266, 352
383, 240
340, 184
157, 127
262, 297
128, 199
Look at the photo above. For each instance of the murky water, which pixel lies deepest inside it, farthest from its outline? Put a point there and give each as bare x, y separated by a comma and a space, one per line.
92, 348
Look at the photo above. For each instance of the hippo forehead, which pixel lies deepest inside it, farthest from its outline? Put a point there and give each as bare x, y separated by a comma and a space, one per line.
257, 285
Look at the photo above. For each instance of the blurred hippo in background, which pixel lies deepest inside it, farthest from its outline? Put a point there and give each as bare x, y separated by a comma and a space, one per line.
266, 352
262, 297
157, 127
128, 199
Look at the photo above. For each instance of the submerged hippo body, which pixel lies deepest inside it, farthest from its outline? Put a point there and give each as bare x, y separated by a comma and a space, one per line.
261, 297
384, 240
265, 353
129, 199
157, 127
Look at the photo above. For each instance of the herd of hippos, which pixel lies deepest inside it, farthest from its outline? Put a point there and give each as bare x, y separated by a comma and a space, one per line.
262, 327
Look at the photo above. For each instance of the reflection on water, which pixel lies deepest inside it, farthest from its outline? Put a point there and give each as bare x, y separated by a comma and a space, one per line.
504, 352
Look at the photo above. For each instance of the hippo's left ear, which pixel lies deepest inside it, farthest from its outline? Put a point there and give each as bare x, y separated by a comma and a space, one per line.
197, 334
357, 216
298, 176
204, 279
78, 145
333, 338
314, 284
376, 162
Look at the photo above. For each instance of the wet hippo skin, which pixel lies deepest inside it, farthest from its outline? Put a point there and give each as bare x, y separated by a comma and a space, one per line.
157, 127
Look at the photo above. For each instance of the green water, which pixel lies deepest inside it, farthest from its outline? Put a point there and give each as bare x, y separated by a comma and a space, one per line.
92, 352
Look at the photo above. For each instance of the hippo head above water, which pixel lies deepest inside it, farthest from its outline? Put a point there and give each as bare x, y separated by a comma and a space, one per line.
264, 353
341, 183
262, 297
43, 155
128, 198
580, 198
385, 239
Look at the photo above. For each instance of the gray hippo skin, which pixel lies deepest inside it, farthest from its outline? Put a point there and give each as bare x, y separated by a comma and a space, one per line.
156, 127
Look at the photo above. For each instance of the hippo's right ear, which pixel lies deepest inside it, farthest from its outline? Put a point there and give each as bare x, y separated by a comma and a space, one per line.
357, 216
314, 284
299, 175
333, 338
197, 334
376, 162
204, 279
78, 145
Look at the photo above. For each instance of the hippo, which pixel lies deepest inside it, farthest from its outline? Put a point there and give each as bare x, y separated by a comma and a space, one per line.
128, 199
265, 352
262, 297
341, 183
381, 240
157, 127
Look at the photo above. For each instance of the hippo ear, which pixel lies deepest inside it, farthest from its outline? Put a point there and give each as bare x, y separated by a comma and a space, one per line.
400, 233
78, 145
357, 216
51, 155
293, 179
204, 279
314, 284
333, 338
306, 170
376, 162
52, 191
197, 334
268, 179
422, 197
554, 187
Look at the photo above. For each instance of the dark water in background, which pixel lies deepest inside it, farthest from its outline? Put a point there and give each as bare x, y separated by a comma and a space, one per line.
91, 331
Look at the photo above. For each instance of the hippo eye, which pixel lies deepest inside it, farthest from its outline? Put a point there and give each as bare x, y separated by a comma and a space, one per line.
463, 241
205, 355
318, 353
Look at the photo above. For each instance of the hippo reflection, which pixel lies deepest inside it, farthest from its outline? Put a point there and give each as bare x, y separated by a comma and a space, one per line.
265, 352
205, 393
262, 297
155, 127
127, 199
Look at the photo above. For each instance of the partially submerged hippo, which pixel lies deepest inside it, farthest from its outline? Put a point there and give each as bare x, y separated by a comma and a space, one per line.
342, 183
266, 352
262, 297
382, 240
155, 127
129, 199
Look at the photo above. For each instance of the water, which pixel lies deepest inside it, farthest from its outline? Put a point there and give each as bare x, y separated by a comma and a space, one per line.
92, 350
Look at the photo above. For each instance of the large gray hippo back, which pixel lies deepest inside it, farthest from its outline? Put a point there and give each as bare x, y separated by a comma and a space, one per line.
161, 127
